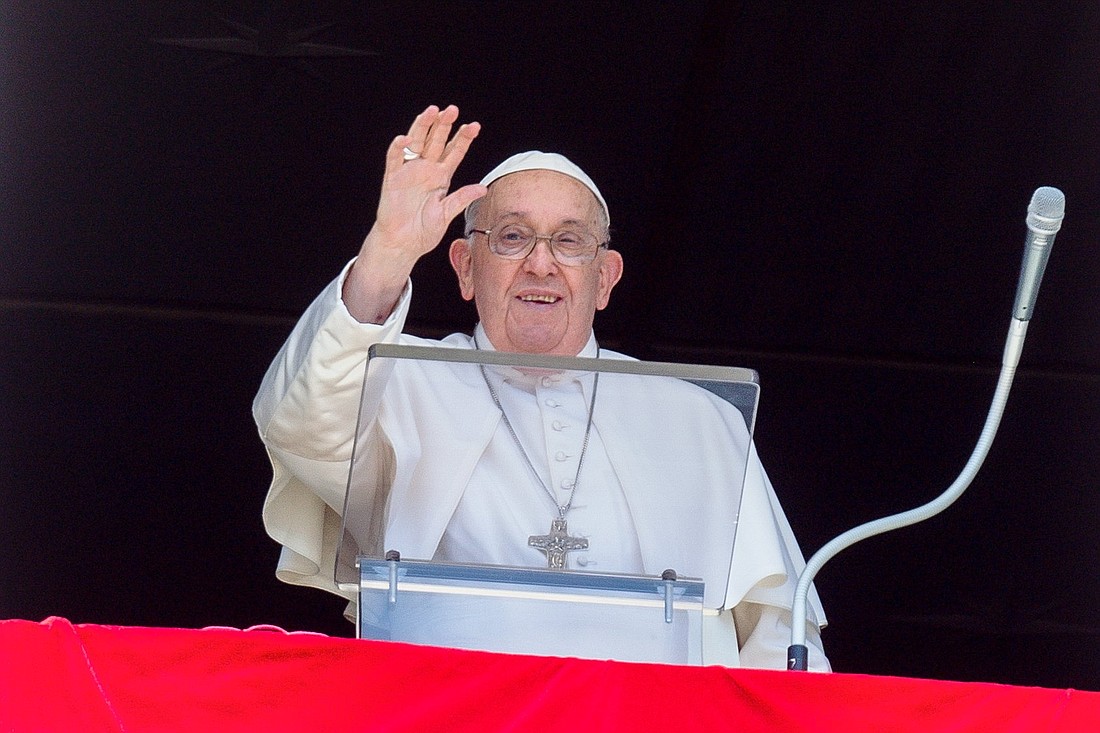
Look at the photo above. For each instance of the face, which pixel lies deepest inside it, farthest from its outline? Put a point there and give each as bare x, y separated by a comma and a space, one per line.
535, 305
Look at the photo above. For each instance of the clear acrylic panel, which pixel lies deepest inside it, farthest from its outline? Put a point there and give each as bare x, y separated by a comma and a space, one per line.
532, 611
669, 446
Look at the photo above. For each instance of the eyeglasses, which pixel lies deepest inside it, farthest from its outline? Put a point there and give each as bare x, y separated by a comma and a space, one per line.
515, 242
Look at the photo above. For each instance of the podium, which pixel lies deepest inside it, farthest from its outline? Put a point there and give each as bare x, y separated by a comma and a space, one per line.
532, 611
673, 440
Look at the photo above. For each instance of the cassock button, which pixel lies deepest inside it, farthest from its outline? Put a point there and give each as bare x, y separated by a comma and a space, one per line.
567, 483
561, 456
551, 402
547, 382
582, 560
557, 425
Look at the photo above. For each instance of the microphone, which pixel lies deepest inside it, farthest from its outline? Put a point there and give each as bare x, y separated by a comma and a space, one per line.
1044, 219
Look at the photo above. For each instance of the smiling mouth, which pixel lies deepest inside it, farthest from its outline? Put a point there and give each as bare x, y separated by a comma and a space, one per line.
539, 298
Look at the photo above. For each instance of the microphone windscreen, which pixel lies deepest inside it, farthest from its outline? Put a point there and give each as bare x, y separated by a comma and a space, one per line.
1045, 212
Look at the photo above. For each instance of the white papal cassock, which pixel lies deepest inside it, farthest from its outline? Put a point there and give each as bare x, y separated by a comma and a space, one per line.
458, 489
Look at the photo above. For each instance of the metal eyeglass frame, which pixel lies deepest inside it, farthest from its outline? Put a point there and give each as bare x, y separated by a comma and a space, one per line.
535, 237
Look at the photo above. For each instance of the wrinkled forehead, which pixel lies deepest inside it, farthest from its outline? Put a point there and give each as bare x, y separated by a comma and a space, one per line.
541, 194
536, 160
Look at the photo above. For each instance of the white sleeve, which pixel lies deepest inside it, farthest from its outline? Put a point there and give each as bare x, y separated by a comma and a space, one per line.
767, 560
306, 411
764, 634
767, 563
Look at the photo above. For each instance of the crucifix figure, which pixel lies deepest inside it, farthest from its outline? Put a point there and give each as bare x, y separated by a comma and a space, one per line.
557, 543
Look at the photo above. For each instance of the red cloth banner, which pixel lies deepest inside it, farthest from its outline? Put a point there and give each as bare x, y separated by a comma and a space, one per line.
56, 676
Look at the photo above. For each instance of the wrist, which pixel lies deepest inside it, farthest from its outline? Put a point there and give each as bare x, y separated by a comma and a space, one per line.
370, 294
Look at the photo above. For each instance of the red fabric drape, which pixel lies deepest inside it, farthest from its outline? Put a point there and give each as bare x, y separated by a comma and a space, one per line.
55, 676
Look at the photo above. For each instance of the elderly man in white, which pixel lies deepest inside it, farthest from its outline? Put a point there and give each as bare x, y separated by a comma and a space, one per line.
536, 262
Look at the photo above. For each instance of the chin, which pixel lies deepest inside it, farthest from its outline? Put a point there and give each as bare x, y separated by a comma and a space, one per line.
539, 343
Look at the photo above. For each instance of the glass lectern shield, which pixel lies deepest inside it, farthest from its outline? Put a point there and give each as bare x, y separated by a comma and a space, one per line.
535, 502
532, 611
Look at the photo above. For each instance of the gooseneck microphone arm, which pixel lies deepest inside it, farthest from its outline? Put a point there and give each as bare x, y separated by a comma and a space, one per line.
1044, 219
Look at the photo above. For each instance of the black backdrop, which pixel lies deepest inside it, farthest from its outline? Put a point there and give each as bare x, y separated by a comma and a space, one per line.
834, 196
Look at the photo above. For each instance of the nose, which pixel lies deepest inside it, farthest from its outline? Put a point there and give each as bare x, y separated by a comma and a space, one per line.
540, 260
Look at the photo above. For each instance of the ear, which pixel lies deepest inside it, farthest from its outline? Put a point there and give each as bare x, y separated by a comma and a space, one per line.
462, 262
611, 270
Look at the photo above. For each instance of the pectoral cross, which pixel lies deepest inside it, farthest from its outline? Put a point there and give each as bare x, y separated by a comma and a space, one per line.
557, 543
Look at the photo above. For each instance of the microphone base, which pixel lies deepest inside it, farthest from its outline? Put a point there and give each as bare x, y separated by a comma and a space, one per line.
798, 657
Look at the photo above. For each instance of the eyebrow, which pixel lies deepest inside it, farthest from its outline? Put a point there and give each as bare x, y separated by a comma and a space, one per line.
524, 214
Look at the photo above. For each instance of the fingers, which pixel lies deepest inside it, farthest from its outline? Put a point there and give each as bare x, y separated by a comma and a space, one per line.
422, 125
414, 139
414, 207
395, 154
430, 132
456, 149
428, 136
438, 133
458, 200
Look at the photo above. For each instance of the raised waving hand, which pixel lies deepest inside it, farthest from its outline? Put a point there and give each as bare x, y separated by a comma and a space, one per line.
415, 209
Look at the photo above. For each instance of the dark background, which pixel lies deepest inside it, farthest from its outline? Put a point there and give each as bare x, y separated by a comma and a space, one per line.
834, 196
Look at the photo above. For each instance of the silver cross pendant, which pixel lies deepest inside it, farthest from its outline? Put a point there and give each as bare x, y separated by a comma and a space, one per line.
557, 543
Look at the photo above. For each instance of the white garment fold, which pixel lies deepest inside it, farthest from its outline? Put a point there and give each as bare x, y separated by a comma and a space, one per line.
309, 404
